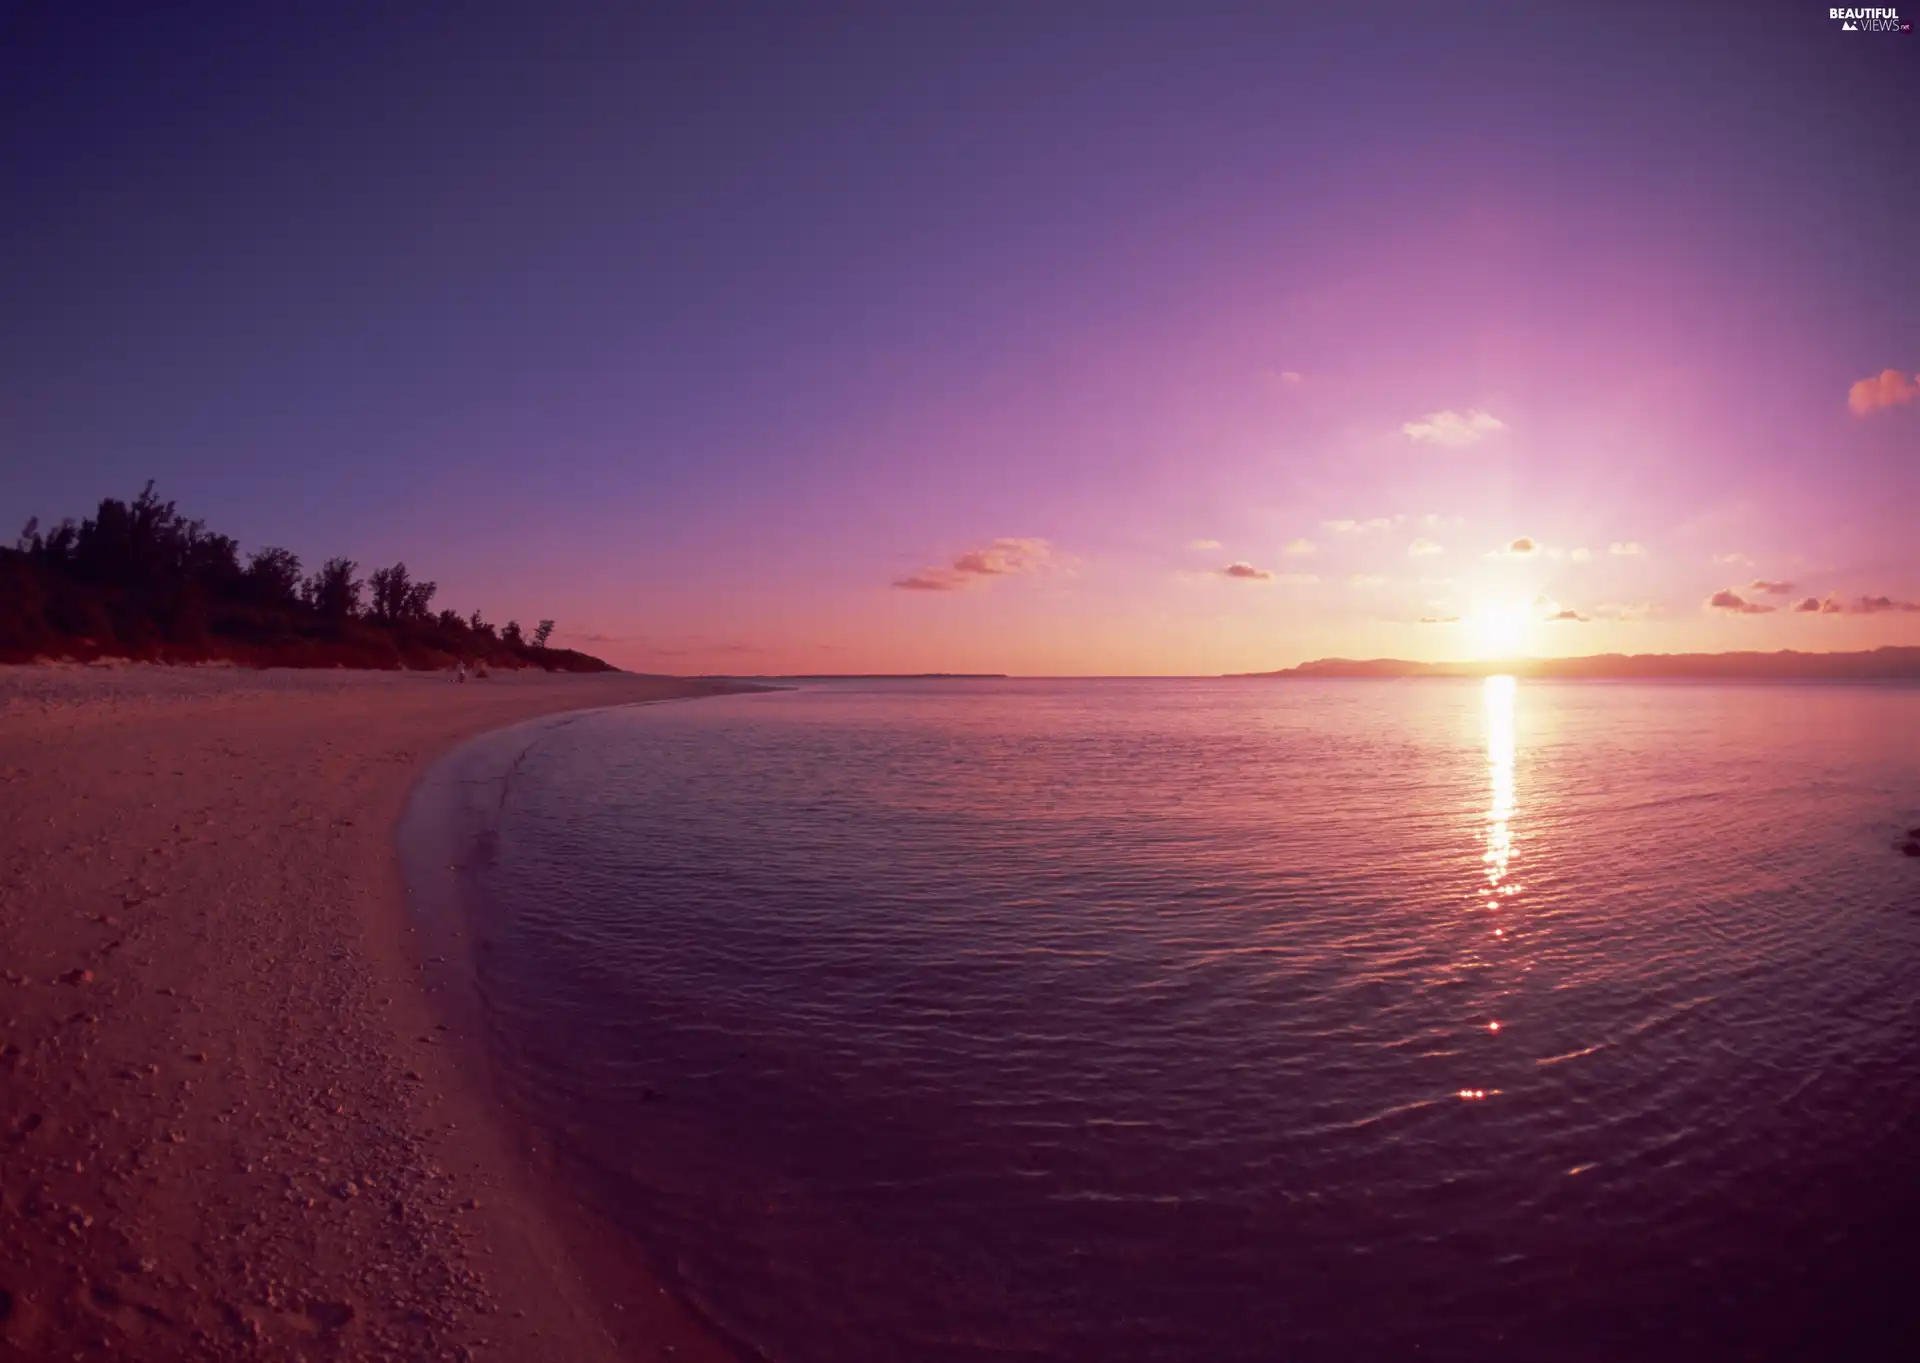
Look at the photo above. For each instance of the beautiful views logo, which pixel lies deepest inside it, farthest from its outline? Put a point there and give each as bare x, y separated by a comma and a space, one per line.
1871, 20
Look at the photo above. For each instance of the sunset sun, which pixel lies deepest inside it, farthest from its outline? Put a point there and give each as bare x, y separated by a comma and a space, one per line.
1497, 629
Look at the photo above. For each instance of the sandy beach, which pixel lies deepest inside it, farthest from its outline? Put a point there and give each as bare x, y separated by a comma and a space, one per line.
233, 1121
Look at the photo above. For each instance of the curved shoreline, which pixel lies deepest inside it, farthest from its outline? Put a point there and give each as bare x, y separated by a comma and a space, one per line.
232, 1126
445, 837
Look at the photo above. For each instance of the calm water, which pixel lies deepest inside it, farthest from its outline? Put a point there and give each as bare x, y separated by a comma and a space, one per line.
1227, 1021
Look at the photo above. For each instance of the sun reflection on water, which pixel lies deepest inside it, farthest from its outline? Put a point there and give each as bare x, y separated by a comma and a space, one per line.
1500, 746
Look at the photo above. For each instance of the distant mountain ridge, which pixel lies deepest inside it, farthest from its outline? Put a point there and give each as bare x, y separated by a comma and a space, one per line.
1880, 664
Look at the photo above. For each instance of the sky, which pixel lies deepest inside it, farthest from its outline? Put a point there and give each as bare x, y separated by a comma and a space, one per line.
1059, 338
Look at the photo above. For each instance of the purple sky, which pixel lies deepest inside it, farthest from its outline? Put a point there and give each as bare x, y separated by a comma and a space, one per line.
792, 337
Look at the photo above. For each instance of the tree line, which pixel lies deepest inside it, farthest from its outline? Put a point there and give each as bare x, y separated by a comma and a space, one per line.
139, 579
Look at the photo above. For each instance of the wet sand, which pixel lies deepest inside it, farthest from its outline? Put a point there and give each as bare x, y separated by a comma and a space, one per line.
235, 1122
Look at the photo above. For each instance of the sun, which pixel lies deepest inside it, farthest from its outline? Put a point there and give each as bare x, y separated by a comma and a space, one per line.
1498, 629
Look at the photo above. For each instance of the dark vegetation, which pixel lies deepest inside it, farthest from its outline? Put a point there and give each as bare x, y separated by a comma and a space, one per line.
139, 580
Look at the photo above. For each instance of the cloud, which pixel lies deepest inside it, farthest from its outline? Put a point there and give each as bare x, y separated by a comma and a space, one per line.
1888, 388
1834, 604
1439, 619
1771, 588
1625, 549
1300, 548
1728, 600
1631, 610
1246, 572
1423, 548
1734, 557
1004, 556
1569, 614
1349, 527
1007, 557
1581, 555
1204, 546
1451, 428
1296, 579
1291, 377
1523, 547
1368, 580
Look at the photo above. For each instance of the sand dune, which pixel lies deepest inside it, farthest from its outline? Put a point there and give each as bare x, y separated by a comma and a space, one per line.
231, 1124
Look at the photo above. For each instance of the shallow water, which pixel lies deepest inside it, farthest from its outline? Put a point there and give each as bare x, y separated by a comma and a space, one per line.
1228, 1021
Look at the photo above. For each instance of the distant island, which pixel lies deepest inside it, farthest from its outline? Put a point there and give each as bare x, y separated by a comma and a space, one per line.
139, 580
1878, 664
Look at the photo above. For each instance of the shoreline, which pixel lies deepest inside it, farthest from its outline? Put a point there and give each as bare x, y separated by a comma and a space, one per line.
444, 839
234, 1121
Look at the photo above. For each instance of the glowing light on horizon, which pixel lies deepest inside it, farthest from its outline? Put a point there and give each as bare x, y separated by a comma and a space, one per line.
1498, 629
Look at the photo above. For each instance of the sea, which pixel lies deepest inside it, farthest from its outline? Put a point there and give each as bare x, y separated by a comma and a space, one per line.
1223, 1021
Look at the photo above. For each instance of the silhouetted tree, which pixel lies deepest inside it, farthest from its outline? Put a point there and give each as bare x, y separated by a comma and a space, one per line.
334, 591
383, 592
138, 578
135, 542
212, 561
273, 577
419, 602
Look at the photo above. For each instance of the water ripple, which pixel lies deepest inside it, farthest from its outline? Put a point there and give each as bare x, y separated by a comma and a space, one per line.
1197, 1021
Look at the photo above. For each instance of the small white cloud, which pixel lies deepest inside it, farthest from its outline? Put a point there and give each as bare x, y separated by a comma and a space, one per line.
1519, 548
1626, 610
1009, 556
1632, 549
1350, 527
1291, 377
1452, 428
1726, 599
1735, 557
1204, 546
1367, 580
1888, 388
1300, 548
1581, 555
1423, 548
